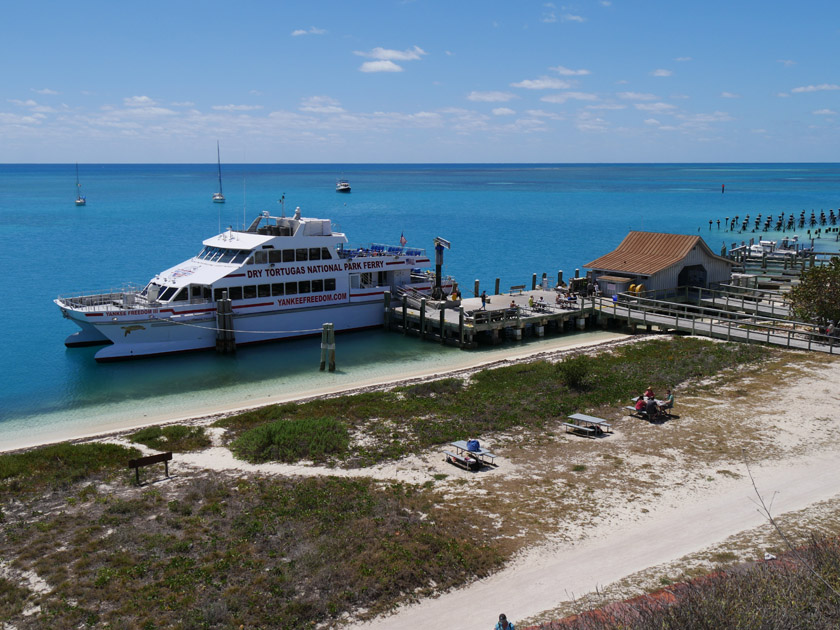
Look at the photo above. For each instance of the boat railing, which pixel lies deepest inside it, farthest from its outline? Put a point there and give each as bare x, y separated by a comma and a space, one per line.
126, 296
378, 249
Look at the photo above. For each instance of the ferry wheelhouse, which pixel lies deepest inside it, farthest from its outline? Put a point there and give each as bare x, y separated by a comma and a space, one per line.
284, 277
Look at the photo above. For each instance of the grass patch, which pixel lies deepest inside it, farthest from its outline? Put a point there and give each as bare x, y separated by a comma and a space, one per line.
178, 438
60, 465
530, 396
292, 440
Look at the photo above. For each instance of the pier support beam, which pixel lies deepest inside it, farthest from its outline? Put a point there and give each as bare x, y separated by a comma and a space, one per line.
405, 314
461, 326
442, 326
422, 318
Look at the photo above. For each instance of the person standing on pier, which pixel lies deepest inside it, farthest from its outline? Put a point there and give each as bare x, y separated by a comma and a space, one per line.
483, 300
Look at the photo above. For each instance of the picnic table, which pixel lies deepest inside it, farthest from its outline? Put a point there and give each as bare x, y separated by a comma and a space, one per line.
588, 425
642, 413
461, 456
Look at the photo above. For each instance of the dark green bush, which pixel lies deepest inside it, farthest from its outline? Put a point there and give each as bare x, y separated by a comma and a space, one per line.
177, 437
293, 439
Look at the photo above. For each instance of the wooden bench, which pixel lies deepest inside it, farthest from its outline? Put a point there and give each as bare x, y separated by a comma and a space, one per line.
588, 431
517, 287
591, 421
464, 461
138, 463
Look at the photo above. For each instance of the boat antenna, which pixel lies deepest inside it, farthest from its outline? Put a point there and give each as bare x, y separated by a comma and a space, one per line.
282, 202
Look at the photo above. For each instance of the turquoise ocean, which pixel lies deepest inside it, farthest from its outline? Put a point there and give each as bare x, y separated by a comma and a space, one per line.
504, 221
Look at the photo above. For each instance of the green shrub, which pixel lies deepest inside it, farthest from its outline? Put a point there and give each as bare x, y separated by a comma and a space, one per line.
293, 440
177, 437
575, 371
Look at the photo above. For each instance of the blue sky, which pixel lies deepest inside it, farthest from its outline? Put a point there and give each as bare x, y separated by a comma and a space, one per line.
420, 81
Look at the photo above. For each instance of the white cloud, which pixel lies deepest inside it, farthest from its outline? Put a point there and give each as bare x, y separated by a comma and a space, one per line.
183, 104
783, 95
312, 30
823, 87
565, 96
503, 111
655, 107
652, 122
138, 101
27, 103
705, 118
661, 72
321, 105
605, 3
637, 96
491, 97
386, 54
236, 108
380, 66
607, 106
543, 83
45, 91
825, 112
683, 59
568, 72
572, 18
541, 113
787, 63
729, 95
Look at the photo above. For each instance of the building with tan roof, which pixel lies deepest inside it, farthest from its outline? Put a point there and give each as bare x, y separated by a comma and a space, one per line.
659, 262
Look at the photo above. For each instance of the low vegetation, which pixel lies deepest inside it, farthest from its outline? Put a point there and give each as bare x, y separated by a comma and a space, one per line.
529, 395
783, 593
174, 437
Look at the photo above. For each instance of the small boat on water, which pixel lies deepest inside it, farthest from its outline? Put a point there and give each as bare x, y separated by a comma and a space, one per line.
218, 197
280, 278
342, 186
80, 199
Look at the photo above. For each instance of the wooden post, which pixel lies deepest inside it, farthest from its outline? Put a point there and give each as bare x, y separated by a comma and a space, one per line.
331, 346
533, 281
324, 342
497, 288
461, 326
405, 314
476, 287
442, 323
545, 279
559, 277
577, 273
423, 316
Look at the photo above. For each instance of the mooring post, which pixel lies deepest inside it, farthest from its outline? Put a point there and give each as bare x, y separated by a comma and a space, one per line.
577, 273
533, 281
545, 281
331, 345
442, 322
324, 342
405, 314
423, 317
496, 292
476, 287
461, 326
560, 278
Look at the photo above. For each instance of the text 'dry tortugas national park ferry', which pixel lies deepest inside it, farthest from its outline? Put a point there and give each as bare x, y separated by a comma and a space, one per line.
283, 277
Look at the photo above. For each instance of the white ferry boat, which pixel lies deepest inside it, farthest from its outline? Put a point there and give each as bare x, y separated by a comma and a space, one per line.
284, 276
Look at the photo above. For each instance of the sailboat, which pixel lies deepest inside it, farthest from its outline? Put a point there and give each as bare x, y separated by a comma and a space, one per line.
218, 197
80, 200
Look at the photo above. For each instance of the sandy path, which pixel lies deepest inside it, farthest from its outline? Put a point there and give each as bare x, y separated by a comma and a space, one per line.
544, 578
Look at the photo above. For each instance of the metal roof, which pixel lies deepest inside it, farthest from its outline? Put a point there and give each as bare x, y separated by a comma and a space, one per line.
647, 253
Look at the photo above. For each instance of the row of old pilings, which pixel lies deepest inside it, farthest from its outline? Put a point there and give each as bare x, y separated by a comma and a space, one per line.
543, 283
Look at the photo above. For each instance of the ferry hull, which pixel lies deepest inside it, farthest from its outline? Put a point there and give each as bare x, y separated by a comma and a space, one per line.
138, 338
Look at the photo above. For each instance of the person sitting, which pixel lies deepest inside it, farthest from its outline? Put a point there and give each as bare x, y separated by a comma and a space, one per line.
649, 393
640, 404
531, 301
651, 408
541, 303
668, 403
512, 304
558, 299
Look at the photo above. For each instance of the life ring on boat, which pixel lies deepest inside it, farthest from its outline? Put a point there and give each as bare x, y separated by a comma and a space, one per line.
639, 288
631, 288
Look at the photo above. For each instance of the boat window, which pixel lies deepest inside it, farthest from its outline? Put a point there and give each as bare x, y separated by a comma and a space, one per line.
240, 257
314, 253
275, 256
288, 255
235, 293
250, 261
205, 292
329, 284
317, 286
218, 294
201, 253
277, 289
291, 288
168, 293
227, 256
181, 296
250, 291
325, 253
260, 257
300, 254
304, 286
264, 290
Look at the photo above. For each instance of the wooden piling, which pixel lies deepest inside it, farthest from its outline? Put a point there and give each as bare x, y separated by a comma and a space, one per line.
560, 278
442, 328
331, 346
533, 281
405, 314
423, 316
497, 287
476, 287
324, 342
461, 326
